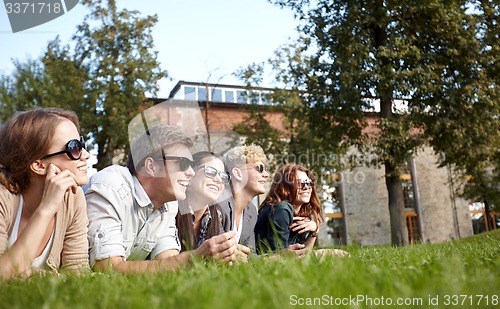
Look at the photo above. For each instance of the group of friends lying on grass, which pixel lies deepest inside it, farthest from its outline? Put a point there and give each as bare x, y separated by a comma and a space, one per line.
166, 207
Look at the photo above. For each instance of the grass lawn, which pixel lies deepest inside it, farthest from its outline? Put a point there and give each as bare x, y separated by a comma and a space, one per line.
463, 274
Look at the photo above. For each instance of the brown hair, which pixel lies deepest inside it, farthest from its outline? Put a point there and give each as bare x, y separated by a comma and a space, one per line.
285, 187
184, 222
152, 142
24, 138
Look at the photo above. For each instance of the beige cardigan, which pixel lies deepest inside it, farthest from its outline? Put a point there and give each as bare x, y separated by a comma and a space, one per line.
70, 246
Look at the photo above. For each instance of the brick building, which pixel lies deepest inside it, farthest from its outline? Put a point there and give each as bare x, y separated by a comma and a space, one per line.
356, 210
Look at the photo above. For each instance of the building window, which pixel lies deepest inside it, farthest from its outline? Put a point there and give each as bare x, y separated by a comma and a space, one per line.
266, 99
254, 97
410, 204
483, 219
334, 211
229, 96
241, 96
202, 94
216, 95
408, 192
190, 93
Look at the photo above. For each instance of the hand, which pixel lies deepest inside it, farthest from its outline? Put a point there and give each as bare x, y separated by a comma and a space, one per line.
325, 252
303, 224
242, 253
57, 183
222, 247
296, 249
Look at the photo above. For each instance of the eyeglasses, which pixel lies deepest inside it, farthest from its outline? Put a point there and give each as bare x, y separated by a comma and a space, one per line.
73, 149
184, 163
211, 172
305, 184
259, 168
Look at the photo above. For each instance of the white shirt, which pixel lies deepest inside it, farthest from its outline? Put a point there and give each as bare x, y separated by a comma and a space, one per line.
38, 262
122, 221
237, 229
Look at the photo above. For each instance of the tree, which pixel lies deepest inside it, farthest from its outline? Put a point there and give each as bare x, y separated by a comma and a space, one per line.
257, 130
475, 149
104, 80
299, 142
53, 80
22, 90
437, 57
117, 53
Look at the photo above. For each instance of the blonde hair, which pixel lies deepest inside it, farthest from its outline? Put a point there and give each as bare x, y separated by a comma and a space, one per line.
242, 155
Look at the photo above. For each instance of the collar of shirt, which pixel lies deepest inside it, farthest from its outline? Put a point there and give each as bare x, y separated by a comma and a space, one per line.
192, 213
140, 195
205, 221
205, 218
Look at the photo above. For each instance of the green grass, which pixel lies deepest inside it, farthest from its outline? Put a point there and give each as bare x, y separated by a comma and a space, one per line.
464, 269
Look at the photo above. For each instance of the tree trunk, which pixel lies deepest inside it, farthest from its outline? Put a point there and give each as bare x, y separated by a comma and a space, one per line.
103, 159
385, 90
489, 222
399, 230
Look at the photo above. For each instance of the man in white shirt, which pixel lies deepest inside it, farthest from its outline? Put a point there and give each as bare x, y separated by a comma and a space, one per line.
132, 209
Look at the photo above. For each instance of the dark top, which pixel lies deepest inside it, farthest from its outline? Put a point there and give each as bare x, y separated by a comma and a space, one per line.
272, 231
247, 237
206, 219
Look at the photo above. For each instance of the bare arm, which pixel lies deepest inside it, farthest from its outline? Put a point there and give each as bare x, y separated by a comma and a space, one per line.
117, 263
221, 248
297, 250
310, 241
18, 258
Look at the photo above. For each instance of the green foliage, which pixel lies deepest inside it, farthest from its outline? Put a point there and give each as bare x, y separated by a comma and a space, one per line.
22, 90
466, 267
65, 83
53, 80
105, 78
303, 139
397, 142
117, 54
257, 130
437, 58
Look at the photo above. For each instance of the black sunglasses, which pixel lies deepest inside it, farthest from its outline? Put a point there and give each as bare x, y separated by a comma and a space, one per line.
184, 163
211, 172
260, 168
73, 149
304, 184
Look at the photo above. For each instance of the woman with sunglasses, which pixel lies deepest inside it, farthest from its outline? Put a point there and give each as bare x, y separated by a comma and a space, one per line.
199, 218
291, 212
43, 220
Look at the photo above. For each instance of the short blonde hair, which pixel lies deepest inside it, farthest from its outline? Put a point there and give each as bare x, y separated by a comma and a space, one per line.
242, 155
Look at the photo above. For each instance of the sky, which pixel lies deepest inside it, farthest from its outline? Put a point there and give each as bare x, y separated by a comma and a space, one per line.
196, 40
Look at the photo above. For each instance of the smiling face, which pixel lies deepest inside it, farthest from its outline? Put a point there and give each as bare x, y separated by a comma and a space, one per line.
203, 187
256, 177
171, 181
66, 131
303, 191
